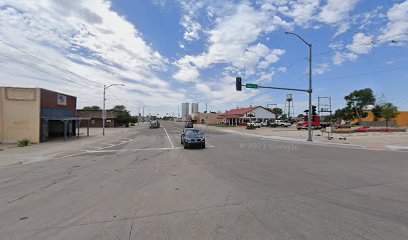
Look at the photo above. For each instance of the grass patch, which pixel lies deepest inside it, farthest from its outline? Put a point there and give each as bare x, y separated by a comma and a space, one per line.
24, 142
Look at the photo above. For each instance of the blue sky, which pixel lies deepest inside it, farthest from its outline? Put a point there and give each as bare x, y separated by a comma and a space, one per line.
167, 52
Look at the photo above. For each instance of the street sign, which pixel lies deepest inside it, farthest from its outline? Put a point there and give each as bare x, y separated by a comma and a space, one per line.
251, 85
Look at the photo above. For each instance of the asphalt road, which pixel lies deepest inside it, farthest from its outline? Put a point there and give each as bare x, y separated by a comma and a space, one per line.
239, 187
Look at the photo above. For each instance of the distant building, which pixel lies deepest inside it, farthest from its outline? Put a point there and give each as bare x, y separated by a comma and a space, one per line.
36, 114
400, 121
96, 118
205, 118
241, 116
185, 113
194, 108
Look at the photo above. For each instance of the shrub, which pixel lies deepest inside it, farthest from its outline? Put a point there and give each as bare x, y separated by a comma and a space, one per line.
24, 142
251, 127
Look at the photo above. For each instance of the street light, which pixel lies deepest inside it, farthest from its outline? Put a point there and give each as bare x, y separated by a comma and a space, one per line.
104, 100
309, 114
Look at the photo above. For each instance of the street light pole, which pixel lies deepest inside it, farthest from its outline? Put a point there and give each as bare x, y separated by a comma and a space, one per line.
309, 114
104, 100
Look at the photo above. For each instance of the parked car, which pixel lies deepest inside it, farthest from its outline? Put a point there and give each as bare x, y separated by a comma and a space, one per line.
281, 123
256, 123
266, 123
154, 124
192, 137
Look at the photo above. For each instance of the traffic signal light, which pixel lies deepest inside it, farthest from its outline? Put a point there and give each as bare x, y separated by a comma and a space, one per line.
313, 110
238, 83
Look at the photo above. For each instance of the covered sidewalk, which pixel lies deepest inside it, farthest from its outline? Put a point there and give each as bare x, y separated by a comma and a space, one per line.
65, 126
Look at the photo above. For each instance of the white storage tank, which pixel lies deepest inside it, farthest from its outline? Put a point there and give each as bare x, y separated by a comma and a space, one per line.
185, 111
194, 108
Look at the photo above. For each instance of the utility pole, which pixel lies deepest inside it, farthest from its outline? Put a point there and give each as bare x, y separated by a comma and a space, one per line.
309, 114
104, 109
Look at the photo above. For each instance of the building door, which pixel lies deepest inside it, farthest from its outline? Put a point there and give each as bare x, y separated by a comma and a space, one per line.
44, 130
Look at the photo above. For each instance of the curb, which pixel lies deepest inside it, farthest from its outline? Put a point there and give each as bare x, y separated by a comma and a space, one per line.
317, 142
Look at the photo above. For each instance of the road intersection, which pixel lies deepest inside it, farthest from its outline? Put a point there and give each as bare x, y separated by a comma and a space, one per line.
146, 186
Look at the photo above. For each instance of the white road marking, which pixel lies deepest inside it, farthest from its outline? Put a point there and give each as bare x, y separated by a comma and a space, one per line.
73, 155
172, 145
132, 150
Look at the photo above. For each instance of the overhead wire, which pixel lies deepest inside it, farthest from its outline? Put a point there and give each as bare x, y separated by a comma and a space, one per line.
40, 70
49, 64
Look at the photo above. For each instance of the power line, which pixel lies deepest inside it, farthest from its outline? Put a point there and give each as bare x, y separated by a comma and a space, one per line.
363, 74
357, 44
40, 70
51, 65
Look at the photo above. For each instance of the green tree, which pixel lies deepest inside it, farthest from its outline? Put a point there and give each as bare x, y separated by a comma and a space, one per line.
94, 107
133, 119
123, 115
358, 100
277, 111
119, 108
377, 111
345, 113
388, 111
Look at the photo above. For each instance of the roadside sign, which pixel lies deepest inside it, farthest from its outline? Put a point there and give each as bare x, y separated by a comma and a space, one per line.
251, 85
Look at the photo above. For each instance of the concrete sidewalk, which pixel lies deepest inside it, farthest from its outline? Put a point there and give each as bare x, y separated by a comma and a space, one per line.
374, 140
11, 154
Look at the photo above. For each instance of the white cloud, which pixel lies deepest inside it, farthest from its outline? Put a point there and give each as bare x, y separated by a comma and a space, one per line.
192, 27
302, 11
339, 57
336, 10
362, 44
231, 41
321, 69
344, 26
186, 73
397, 26
85, 37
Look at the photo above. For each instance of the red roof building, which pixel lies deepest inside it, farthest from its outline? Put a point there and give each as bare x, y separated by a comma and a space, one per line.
241, 116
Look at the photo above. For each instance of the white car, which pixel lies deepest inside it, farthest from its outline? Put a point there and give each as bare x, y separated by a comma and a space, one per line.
282, 123
257, 124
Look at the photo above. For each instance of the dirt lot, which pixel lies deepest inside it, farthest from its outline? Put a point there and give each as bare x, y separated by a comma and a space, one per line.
369, 139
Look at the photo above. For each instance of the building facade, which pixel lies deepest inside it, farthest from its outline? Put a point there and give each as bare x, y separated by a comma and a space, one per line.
205, 118
242, 116
95, 117
36, 114
400, 121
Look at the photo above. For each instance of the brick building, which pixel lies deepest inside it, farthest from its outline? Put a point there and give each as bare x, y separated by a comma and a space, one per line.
95, 117
36, 114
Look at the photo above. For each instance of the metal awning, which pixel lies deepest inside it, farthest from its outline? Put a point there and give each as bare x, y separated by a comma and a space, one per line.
66, 120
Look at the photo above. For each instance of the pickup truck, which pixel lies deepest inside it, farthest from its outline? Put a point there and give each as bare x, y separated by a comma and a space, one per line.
281, 123
257, 124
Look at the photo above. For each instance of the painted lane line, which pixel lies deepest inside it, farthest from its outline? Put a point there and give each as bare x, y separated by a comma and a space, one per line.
132, 150
172, 145
135, 150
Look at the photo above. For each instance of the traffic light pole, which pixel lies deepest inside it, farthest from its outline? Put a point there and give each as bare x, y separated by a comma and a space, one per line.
309, 115
309, 91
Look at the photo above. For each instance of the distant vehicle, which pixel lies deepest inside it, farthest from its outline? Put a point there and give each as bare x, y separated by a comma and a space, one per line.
188, 125
256, 123
304, 124
154, 124
281, 123
192, 137
266, 123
